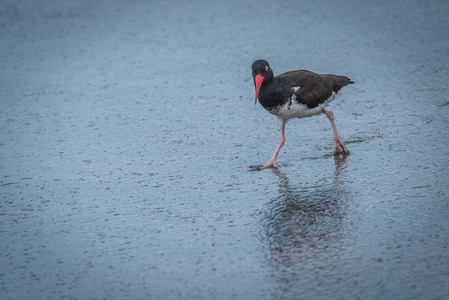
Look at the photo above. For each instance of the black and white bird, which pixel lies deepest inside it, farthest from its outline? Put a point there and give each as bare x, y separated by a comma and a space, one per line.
296, 94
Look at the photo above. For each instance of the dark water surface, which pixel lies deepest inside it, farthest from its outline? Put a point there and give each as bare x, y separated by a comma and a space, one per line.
127, 130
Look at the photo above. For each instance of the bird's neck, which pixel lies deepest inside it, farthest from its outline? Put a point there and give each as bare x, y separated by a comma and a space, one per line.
271, 93
269, 86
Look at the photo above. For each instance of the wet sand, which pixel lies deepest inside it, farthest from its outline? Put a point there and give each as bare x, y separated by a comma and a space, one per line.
127, 132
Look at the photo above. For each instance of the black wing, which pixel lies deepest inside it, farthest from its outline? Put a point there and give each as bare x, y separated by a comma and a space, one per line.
314, 88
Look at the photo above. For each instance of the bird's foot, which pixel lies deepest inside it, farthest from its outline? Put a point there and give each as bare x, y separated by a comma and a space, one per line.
270, 164
340, 147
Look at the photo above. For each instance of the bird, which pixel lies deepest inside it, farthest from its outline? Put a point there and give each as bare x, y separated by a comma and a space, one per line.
296, 94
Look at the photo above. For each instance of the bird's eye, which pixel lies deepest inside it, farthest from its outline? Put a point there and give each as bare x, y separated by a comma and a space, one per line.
266, 68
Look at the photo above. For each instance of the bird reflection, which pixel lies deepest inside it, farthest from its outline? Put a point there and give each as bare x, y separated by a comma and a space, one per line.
306, 218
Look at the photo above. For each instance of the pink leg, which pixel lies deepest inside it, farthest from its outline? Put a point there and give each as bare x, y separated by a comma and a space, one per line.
272, 162
337, 140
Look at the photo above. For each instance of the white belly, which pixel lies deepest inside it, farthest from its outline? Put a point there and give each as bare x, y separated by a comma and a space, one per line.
293, 109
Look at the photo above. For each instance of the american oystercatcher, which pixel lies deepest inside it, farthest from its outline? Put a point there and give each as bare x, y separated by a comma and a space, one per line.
296, 94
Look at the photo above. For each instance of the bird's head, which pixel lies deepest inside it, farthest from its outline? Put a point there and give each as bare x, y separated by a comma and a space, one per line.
261, 71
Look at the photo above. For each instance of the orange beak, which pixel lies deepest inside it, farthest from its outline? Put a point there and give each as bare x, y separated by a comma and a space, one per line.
258, 80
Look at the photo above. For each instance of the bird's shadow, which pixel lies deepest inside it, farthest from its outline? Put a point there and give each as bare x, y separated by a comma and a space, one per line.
305, 218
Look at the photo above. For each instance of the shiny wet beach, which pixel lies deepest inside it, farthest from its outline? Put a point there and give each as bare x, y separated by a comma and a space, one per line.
128, 130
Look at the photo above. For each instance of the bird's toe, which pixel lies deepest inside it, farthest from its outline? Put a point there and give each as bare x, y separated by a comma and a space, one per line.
269, 164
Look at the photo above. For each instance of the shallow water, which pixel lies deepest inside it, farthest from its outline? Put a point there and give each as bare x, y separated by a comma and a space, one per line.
128, 130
